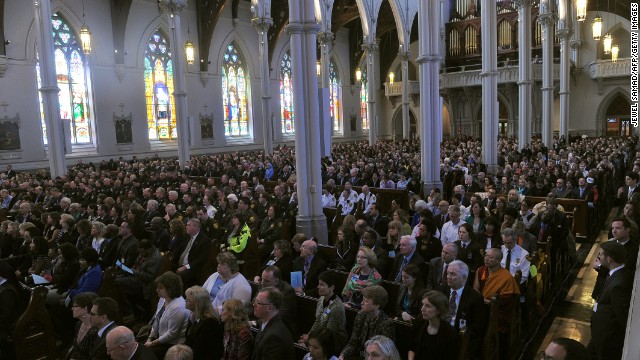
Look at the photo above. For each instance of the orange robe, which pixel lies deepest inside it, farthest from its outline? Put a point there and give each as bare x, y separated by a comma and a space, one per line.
501, 283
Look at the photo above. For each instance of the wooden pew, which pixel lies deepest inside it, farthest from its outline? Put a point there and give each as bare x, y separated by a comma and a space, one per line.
463, 353
577, 208
491, 342
33, 335
327, 253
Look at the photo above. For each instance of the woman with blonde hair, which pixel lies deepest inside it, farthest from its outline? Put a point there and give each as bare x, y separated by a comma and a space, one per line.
394, 233
204, 330
97, 231
237, 338
362, 275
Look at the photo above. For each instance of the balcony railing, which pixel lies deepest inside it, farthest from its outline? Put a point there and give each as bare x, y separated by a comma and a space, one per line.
506, 74
395, 89
609, 69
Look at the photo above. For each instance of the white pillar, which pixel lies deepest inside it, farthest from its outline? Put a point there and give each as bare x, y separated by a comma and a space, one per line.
49, 89
565, 84
371, 55
262, 25
524, 70
406, 126
430, 100
302, 29
173, 8
546, 19
325, 40
489, 75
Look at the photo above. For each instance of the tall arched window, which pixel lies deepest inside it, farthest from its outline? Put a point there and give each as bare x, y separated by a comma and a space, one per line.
234, 93
72, 80
286, 95
336, 98
158, 88
364, 100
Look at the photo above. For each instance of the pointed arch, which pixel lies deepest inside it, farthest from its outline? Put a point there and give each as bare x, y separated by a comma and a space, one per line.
606, 102
286, 95
235, 91
72, 77
158, 87
364, 99
335, 92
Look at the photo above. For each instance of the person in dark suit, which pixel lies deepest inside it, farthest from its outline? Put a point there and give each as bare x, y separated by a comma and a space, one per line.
582, 192
311, 266
109, 247
369, 239
128, 247
288, 312
437, 279
377, 221
490, 201
470, 310
190, 256
407, 255
273, 341
611, 310
621, 231
122, 345
103, 314
469, 248
626, 192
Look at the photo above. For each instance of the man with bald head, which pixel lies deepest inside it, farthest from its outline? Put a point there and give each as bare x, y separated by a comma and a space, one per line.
310, 265
122, 345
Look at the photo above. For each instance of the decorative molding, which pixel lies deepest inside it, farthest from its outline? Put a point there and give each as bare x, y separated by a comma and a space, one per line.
609, 69
172, 6
120, 72
204, 78
508, 74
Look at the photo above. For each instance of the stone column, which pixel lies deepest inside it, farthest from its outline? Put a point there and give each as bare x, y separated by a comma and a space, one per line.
565, 84
546, 19
325, 40
262, 25
371, 51
49, 89
173, 8
524, 72
406, 126
489, 75
430, 101
302, 30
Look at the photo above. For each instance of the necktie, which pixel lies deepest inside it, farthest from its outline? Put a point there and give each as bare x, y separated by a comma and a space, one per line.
185, 253
452, 307
405, 261
508, 262
444, 275
307, 264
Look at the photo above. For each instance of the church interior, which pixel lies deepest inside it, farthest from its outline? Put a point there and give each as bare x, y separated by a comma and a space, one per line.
438, 88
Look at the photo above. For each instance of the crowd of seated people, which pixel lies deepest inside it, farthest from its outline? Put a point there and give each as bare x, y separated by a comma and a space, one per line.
129, 214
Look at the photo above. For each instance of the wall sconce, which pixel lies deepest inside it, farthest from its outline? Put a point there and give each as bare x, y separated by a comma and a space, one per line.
358, 75
392, 77
614, 53
581, 10
596, 28
608, 40
318, 68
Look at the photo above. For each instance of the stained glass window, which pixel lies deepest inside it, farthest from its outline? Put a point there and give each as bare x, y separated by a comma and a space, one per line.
158, 88
286, 95
72, 81
335, 91
234, 93
364, 99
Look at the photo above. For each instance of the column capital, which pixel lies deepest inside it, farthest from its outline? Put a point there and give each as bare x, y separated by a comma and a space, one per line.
564, 34
522, 3
370, 48
172, 7
325, 38
262, 25
575, 44
546, 19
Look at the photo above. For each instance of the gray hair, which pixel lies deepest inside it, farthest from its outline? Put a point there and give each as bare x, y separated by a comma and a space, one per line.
509, 232
386, 346
464, 268
412, 241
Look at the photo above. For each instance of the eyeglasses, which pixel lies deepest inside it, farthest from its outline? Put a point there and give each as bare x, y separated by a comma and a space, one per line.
259, 303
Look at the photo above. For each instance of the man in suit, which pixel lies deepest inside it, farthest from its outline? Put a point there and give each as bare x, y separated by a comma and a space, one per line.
377, 221
192, 255
490, 201
437, 279
103, 314
582, 192
128, 248
108, 252
273, 341
407, 255
311, 265
621, 231
121, 345
626, 192
288, 312
370, 240
443, 217
466, 305
138, 286
611, 310
561, 190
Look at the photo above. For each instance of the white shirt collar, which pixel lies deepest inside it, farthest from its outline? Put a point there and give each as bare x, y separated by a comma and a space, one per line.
101, 331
